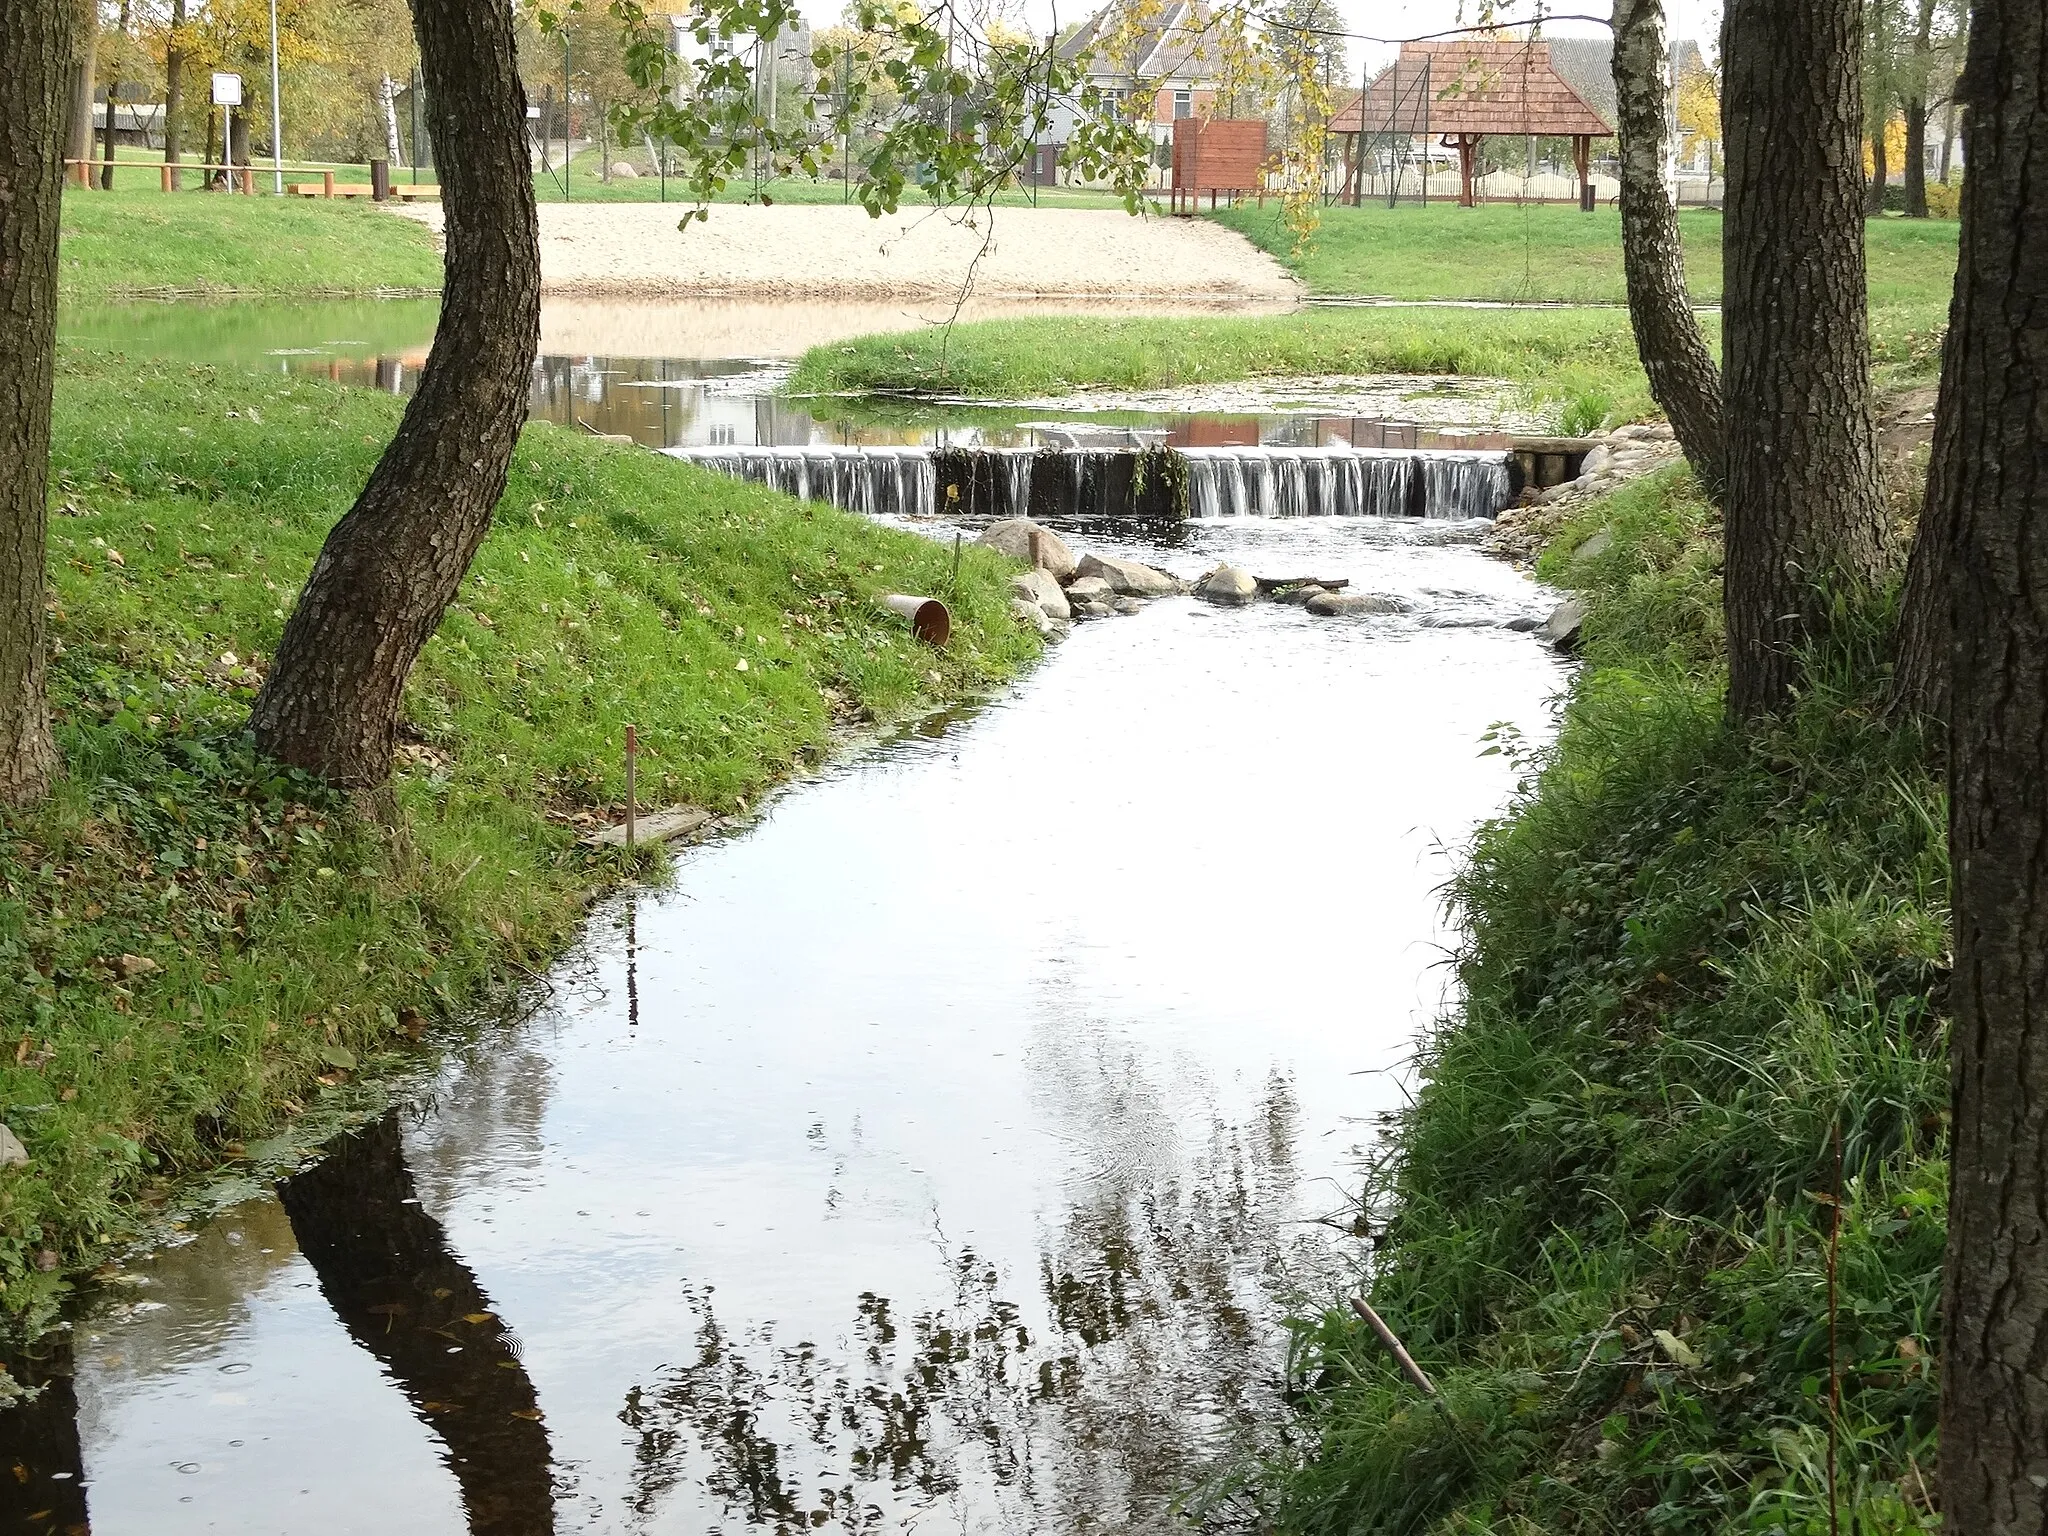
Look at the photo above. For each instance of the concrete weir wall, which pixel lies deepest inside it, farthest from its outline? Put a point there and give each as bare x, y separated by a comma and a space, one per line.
1153, 482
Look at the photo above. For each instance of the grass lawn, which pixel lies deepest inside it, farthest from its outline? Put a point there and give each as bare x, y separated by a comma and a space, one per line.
143, 243
1695, 954
1501, 252
196, 947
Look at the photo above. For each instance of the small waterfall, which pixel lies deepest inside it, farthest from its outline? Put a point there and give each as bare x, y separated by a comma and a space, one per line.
1342, 482
1118, 482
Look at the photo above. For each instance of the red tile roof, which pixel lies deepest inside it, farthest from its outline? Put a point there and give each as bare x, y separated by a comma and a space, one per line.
1473, 87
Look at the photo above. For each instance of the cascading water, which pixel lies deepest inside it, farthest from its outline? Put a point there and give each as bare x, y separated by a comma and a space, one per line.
1220, 482
1341, 482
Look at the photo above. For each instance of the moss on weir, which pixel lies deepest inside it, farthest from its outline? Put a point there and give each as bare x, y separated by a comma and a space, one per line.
196, 946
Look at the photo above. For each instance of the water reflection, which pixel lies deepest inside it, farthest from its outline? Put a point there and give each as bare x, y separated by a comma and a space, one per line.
385, 1268
42, 1472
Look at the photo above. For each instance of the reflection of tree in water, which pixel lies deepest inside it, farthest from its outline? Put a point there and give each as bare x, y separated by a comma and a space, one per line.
1150, 1367
385, 1267
42, 1473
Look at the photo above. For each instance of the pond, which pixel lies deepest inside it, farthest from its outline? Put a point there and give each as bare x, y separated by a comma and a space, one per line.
944, 1150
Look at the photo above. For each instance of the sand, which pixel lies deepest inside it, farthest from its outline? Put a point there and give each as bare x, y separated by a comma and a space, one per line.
635, 250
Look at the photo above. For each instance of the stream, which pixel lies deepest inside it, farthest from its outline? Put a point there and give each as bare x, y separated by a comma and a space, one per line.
941, 1152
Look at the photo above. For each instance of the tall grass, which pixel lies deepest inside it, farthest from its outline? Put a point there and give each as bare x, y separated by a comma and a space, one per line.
1697, 955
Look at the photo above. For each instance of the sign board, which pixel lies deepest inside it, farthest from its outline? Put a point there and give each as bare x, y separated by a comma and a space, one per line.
533, 114
1221, 155
227, 90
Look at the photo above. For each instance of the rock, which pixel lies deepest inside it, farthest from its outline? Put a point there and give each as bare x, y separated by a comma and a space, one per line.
1089, 589
12, 1153
1523, 625
1229, 586
132, 966
1127, 578
1634, 434
1013, 537
1092, 609
1596, 461
1595, 546
1562, 628
621, 168
1128, 605
663, 826
1030, 615
1335, 605
1559, 492
1038, 586
1298, 597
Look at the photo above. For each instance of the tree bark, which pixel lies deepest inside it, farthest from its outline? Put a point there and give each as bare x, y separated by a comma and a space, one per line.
1920, 679
390, 568
1880, 176
1916, 158
1683, 379
1804, 511
38, 63
174, 90
1994, 1391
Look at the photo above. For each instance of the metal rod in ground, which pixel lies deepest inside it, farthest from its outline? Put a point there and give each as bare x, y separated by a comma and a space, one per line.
1394, 1347
953, 583
632, 764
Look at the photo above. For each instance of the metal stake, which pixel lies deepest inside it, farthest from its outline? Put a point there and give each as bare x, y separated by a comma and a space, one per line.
632, 766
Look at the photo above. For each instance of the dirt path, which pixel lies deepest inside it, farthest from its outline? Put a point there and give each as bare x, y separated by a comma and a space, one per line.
622, 250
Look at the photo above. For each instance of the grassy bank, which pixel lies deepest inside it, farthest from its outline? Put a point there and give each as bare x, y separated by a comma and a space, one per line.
1698, 961
1548, 253
195, 947
1573, 360
142, 243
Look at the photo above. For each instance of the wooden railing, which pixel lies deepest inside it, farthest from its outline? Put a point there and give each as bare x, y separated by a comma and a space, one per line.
242, 178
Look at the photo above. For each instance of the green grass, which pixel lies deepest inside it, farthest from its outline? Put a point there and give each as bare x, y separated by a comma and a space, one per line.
1548, 253
290, 945
1561, 357
1695, 955
148, 243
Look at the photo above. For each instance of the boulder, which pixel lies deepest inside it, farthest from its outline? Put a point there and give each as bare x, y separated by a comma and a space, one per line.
12, 1153
1089, 589
1030, 615
621, 169
1562, 628
1013, 537
1596, 461
1333, 605
1090, 608
1299, 597
1127, 578
1127, 605
1524, 625
1227, 585
1594, 547
1037, 586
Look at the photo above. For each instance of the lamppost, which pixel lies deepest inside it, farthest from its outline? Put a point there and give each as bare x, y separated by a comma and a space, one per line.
276, 110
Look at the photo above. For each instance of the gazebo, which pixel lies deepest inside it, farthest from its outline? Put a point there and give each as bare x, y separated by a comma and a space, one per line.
1466, 91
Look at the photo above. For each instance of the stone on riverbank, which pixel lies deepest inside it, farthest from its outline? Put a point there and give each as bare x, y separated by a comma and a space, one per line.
1337, 605
1127, 578
1038, 587
1089, 589
1299, 597
1031, 615
1227, 585
1012, 536
1562, 628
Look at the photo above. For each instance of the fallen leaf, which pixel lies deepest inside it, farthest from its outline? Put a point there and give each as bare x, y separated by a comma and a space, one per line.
132, 966
114, 557
1676, 1350
478, 1317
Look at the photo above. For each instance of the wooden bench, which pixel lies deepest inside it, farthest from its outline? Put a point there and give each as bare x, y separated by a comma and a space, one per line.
327, 186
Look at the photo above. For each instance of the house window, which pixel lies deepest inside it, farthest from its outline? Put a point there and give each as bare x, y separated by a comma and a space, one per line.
1183, 105
723, 435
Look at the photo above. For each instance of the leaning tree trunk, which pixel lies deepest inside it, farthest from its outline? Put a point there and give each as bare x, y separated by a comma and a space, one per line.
1994, 1392
1683, 379
391, 566
1804, 510
38, 64
1920, 680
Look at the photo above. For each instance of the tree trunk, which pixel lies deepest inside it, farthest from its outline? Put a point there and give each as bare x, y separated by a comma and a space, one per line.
1804, 510
390, 568
1916, 159
80, 146
174, 90
1880, 175
38, 63
1920, 680
1683, 379
1948, 138
114, 90
1994, 1392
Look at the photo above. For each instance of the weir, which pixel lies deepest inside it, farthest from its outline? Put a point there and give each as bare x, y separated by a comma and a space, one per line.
1143, 482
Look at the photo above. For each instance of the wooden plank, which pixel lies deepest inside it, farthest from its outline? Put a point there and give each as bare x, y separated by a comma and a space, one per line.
661, 827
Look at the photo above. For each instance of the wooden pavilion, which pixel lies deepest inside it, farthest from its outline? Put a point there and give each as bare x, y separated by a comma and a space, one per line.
1466, 91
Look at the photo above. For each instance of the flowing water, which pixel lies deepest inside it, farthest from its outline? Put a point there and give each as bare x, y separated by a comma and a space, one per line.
942, 1152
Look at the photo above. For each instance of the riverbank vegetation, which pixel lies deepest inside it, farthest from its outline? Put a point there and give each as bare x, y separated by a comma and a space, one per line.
1703, 981
196, 945
150, 244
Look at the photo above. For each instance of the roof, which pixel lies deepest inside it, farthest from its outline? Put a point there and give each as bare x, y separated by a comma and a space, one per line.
1586, 64
1165, 46
1478, 87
